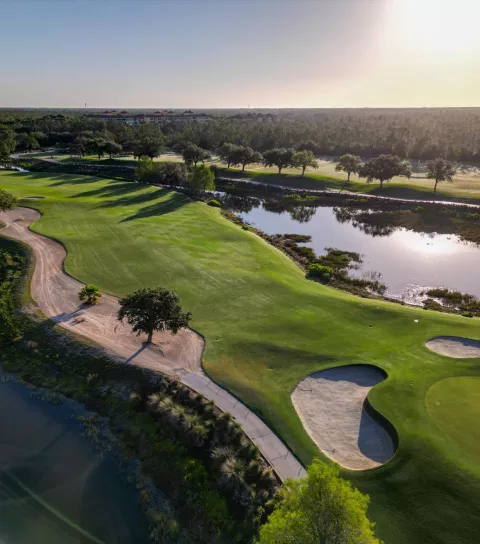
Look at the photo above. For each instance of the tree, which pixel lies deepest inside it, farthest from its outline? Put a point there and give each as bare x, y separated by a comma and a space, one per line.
112, 148
144, 169
226, 152
99, 147
384, 168
320, 509
170, 173
7, 201
348, 163
156, 309
7, 141
202, 179
149, 141
440, 170
245, 155
90, 293
304, 159
279, 157
192, 154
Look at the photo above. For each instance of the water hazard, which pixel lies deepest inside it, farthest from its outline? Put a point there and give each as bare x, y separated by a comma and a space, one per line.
56, 487
409, 262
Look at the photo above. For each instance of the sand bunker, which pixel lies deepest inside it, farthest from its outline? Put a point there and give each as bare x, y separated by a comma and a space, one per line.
330, 404
454, 346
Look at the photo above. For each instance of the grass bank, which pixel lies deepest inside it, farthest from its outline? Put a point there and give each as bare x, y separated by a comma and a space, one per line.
267, 327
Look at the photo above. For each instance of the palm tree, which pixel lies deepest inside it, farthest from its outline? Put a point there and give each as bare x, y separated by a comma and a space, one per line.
90, 293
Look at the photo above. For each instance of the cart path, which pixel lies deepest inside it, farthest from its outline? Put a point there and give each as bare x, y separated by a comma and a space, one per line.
56, 294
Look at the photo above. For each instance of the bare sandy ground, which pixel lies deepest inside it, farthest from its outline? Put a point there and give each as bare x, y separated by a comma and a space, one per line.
56, 294
455, 346
330, 404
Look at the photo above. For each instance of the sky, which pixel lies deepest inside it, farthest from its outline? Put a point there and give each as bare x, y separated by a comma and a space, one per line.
239, 53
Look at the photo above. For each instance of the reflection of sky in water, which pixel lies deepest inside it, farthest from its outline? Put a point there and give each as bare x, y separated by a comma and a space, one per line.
408, 261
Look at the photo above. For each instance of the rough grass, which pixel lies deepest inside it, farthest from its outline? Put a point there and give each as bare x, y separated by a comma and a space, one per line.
267, 327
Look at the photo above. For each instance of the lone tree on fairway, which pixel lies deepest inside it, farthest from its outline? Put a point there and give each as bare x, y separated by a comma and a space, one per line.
245, 155
112, 148
349, 164
202, 179
90, 294
320, 509
149, 310
226, 152
304, 159
7, 201
279, 157
384, 168
440, 170
192, 154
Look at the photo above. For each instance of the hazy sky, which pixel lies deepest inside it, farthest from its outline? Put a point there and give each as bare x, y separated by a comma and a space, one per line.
236, 53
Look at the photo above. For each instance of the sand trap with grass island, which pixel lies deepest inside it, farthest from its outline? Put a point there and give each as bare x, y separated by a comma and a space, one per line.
454, 346
331, 403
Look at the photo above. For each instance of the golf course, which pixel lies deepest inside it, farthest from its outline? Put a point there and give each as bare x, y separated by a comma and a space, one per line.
266, 328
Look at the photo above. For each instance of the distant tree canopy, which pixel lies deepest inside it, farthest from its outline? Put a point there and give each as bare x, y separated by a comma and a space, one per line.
349, 163
440, 170
149, 310
7, 141
384, 168
7, 201
452, 133
320, 509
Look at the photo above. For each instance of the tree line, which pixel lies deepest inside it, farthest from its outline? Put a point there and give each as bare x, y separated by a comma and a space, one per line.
453, 133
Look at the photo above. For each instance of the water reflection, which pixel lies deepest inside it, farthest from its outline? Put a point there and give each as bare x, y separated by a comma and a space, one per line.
409, 262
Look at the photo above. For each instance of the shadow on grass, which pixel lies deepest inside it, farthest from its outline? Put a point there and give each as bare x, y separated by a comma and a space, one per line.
113, 188
172, 204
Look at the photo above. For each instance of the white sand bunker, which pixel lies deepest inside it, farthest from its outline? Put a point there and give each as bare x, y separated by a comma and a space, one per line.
330, 404
454, 346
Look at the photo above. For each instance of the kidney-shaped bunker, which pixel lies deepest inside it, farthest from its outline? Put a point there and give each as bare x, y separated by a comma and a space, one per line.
331, 405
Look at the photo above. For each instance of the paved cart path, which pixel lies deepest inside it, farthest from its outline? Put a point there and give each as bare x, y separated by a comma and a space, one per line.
56, 294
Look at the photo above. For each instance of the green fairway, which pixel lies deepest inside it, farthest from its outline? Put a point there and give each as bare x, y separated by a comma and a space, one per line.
454, 406
267, 327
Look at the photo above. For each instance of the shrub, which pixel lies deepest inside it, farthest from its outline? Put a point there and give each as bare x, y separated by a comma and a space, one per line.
320, 272
467, 314
214, 203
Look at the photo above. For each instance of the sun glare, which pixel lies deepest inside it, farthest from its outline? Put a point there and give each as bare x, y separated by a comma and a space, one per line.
438, 29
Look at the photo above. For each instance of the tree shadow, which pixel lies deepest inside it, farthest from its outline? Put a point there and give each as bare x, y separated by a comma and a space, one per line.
64, 317
135, 199
163, 207
111, 188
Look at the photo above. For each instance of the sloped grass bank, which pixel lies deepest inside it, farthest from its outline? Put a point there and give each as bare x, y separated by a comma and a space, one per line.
267, 327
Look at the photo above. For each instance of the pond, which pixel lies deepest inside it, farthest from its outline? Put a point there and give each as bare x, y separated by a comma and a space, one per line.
56, 487
409, 262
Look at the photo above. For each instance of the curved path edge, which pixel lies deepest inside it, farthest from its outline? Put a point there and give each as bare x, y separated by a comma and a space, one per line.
54, 286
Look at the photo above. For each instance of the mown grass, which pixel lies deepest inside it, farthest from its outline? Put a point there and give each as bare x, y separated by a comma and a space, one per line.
267, 327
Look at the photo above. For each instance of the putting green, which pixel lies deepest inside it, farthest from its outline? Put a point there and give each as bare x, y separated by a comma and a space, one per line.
267, 328
454, 406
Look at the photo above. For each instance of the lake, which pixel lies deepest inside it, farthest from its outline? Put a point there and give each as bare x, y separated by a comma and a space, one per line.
408, 261
56, 487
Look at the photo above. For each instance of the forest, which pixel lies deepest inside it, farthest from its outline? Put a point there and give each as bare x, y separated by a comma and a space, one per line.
452, 133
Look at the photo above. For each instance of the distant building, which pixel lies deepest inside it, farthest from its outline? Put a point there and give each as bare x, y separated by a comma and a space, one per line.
157, 117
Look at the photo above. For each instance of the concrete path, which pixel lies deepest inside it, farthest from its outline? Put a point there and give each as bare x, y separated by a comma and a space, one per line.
56, 294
